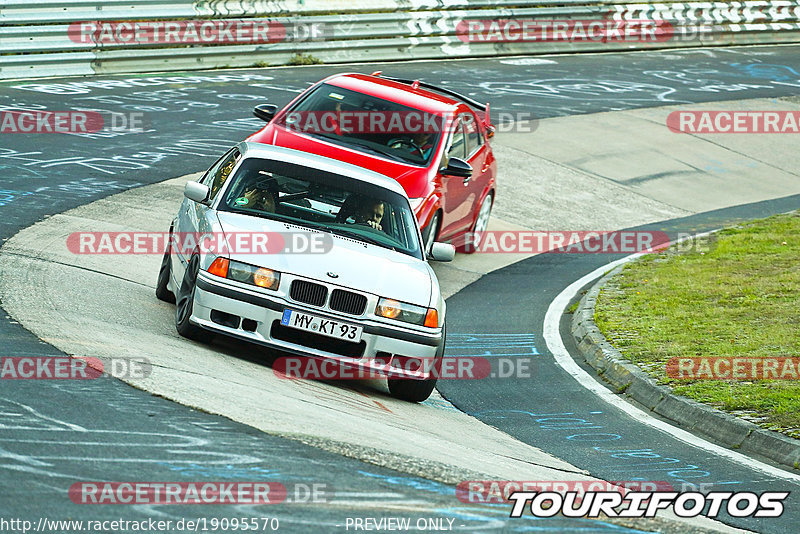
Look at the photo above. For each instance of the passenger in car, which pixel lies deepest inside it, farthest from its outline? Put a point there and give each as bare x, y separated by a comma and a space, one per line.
362, 210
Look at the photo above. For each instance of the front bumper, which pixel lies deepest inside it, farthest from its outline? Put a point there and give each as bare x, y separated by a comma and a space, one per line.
255, 316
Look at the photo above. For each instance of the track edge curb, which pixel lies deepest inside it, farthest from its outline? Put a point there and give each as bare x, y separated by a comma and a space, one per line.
625, 377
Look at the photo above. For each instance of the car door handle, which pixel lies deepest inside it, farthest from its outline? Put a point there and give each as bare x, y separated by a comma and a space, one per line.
466, 180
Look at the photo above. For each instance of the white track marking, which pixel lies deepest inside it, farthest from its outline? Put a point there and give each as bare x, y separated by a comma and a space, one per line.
33, 412
528, 61
554, 342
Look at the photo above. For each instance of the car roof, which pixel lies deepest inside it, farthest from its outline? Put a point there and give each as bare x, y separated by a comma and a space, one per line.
307, 159
400, 93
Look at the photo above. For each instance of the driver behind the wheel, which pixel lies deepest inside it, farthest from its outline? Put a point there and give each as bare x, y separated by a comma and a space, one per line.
370, 213
362, 210
260, 199
419, 143
258, 196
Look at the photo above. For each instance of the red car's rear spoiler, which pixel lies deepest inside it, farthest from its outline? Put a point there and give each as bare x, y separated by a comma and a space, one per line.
458, 96
448, 92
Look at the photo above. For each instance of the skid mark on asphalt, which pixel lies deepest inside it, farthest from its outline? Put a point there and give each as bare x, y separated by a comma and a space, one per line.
582, 431
497, 355
491, 345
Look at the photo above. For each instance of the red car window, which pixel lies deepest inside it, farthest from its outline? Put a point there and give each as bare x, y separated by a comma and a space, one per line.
458, 143
473, 133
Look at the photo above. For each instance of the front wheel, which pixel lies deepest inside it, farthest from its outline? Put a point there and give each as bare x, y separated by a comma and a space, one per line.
185, 305
411, 390
472, 239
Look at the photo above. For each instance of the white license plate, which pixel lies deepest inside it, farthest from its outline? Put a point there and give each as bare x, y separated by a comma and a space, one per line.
319, 325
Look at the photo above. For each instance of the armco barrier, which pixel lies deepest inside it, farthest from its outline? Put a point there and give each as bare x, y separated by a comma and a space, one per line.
35, 38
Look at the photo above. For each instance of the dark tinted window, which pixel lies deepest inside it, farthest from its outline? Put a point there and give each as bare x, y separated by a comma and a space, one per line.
458, 143
473, 133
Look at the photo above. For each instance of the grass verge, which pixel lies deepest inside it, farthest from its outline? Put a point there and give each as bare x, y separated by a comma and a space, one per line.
739, 296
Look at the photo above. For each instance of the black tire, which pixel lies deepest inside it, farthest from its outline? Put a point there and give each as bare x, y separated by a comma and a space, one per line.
185, 304
430, 233
162, 291
417, 390
465, 247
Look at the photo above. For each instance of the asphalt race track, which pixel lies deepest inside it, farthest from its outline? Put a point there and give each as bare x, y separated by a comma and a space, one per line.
57, 432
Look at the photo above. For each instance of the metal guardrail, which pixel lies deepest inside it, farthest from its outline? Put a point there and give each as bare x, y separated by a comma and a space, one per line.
42, 39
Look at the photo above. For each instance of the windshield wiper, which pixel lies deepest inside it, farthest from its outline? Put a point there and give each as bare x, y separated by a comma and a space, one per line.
260, 214
355, 235
381, 152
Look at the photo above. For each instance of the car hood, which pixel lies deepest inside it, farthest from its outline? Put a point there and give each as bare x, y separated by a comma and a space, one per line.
359, 266
411, 178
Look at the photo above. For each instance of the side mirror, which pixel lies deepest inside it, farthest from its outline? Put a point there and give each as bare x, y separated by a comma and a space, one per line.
442, 252
196, 191
490, 131
265, 112
457, 167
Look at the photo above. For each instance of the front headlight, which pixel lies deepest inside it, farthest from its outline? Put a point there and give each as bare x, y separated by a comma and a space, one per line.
257, 276
408, 313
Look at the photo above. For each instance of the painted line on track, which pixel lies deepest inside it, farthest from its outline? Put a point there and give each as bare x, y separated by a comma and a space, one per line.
555, 344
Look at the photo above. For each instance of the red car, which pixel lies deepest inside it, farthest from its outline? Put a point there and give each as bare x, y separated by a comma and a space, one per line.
433, 141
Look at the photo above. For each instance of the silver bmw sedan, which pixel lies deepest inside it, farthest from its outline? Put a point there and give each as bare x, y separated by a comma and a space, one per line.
316, 257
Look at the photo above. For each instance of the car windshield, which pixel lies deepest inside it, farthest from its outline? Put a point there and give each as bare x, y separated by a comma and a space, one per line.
367, 123
330, 202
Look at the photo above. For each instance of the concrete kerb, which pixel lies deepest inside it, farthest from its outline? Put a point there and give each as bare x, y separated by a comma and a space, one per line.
628, 378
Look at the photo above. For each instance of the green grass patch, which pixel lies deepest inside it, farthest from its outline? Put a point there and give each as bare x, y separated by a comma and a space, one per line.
304, 59
739, 296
